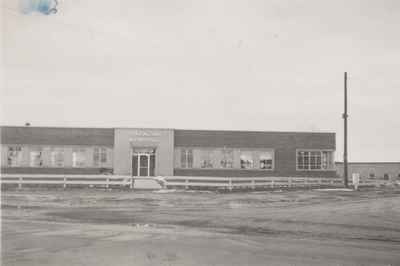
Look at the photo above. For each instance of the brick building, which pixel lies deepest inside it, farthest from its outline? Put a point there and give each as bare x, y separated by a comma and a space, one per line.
166, 152
372, 170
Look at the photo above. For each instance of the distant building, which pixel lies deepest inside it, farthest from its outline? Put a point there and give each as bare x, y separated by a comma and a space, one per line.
166, 152
372, 170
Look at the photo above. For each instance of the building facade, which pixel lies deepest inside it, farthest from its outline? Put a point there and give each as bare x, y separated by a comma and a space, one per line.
371, 170
166, 152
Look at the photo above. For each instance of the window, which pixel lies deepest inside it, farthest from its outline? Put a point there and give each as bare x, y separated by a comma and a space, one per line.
227, 158
36, 157
266, 160
314, 160
206, 158
57, 157
371, 175
99, 156
186, 158
78, 157
14, 156
327, 160
246, 160
302, 160
386, 176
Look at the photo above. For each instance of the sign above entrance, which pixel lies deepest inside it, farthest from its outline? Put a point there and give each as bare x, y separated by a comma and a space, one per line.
143, 150
142, 140
146, 133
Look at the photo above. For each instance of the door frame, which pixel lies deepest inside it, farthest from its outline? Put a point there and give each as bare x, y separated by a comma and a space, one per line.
139, 155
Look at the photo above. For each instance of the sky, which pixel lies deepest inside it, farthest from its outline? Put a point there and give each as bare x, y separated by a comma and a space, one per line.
268, 65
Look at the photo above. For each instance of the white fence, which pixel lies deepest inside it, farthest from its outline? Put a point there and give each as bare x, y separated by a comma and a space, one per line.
249, 182
186, 182
65, 180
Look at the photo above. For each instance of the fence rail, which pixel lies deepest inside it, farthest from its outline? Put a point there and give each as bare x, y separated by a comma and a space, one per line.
65, 180
249, 182
186, 182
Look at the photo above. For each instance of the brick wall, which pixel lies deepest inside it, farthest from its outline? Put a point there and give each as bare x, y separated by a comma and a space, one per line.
57, 136
378, 169
283, 143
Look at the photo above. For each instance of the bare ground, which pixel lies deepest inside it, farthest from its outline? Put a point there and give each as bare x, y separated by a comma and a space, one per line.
97, 227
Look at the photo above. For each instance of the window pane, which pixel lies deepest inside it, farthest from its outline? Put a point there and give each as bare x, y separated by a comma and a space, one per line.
143, 161
78, 157
266, 160
227, 158
99, 156
306, 160
14, 156
36, 158
96, 157
183, 158
57, 157
189, 158
246, 160
103, 155
300, 160
206, 158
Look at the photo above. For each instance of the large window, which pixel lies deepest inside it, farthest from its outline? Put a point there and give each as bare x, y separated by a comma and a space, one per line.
314, 160
266, 160
227, 158
186, 158
224, 158
206, 158
78, 157
246, 160
57, 157
14, 156
36, 157
99, 156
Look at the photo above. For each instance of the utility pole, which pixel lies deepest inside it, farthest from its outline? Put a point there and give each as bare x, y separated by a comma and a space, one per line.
345, 115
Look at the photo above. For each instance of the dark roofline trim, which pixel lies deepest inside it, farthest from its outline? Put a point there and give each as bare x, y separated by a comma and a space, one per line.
175, 129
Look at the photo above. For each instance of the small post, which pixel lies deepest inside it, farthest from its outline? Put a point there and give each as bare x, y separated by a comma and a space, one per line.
290, 182
132, 181
272, 183
107, 180
65, 182
230, 184
253, 184
20, 182
186, 183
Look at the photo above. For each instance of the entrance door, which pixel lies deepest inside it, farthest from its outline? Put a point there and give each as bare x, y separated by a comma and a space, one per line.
143, 164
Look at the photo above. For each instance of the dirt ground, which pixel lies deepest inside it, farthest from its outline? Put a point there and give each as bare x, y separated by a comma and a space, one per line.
97, 227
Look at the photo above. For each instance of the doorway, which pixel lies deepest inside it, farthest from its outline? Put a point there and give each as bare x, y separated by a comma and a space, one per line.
143, 162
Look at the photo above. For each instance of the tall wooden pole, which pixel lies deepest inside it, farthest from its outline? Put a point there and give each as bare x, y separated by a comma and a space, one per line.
345, 115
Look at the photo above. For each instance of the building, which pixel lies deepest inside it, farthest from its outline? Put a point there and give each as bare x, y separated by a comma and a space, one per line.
166, 152
371, 170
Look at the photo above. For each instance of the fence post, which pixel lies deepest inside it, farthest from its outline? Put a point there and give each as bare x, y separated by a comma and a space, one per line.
272, 183
20, 182
290, 182
65, 182
131, 185
230, 184
253, 184
107, 180
186, 183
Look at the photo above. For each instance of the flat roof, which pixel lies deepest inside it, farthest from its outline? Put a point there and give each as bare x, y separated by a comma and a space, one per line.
177, 129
